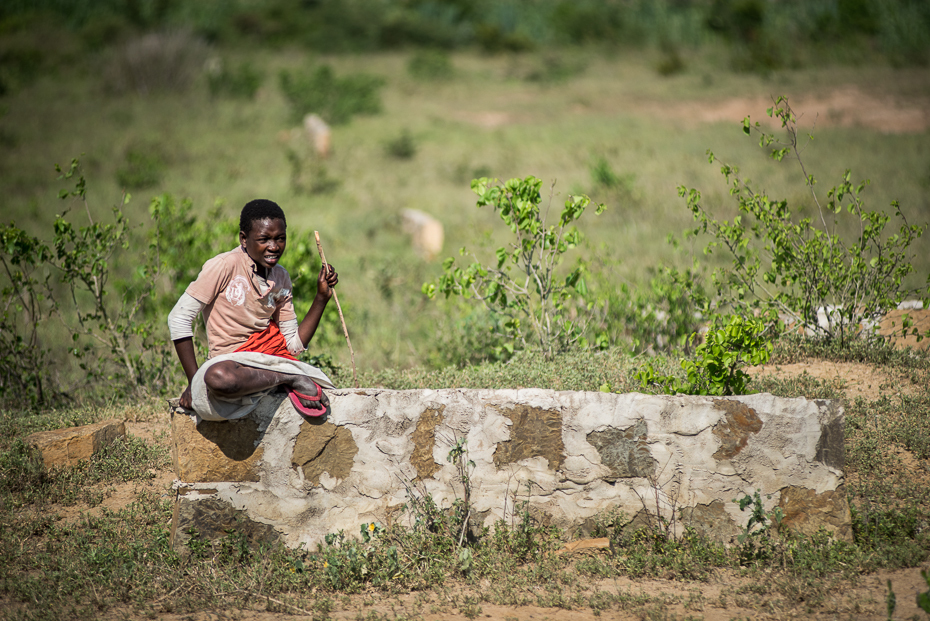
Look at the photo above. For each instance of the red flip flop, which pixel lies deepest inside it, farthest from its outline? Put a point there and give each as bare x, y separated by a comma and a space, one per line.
303, 410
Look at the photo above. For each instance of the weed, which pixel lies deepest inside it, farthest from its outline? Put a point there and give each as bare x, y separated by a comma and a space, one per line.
336, 99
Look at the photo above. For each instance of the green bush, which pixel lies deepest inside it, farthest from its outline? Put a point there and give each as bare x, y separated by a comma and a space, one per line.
904, 32
715, 369
241, 82
144, 165
430, 65
336, 99
588, 21
27, 302
72, 280
525, 284
659, 317
805, 268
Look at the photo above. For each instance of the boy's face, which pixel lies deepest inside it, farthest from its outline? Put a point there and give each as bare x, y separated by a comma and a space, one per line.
265, 242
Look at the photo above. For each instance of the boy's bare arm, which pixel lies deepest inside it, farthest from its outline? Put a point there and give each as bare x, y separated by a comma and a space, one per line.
324, 291
188, 357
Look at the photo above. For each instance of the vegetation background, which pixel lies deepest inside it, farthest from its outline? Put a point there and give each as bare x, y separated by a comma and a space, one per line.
605, 98
199, 104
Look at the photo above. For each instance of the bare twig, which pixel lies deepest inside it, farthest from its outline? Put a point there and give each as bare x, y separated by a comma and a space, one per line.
345, 330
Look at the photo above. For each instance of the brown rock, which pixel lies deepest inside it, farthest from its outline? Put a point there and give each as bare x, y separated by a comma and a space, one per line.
741, 420
66, 447
535, 433
215, 451
324, 448
585, 544
426, 233
806, 511
424, 438
711, 520
319, 134
625, 451
210, 519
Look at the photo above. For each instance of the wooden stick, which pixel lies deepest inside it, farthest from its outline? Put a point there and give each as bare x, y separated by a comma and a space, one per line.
345, 330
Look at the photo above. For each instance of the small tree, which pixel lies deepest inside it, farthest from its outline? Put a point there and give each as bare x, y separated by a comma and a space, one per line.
804, 268
540, 306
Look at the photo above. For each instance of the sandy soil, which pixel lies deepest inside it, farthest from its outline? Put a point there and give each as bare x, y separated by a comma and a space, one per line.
848, 106
723, 598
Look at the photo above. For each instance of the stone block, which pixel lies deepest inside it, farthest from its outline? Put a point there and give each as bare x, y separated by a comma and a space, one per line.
66, 447
570, 455
215, 451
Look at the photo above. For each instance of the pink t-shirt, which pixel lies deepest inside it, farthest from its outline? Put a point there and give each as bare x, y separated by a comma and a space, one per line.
238, 301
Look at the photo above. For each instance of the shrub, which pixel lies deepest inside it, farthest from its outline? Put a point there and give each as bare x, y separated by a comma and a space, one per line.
523, 285
336, 99
430, 65
715, 369
27, 302
656, 318
158, 61
241, 82
804, 268
402, 147
143, 166
72, 279
903, 28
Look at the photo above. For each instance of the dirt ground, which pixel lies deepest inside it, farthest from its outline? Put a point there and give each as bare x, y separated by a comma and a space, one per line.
848, 106
719, 599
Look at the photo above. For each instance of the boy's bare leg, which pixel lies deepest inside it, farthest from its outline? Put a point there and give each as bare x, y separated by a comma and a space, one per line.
231, 379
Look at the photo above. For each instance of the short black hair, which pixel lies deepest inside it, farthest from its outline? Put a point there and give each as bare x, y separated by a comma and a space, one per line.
259, 209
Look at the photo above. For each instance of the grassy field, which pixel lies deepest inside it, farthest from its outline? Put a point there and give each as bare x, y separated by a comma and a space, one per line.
91, 542
552, 115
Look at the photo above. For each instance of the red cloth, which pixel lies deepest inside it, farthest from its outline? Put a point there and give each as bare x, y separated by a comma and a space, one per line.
268, 341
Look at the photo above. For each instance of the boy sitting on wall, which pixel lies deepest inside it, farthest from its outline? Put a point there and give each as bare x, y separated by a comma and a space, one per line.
252, 329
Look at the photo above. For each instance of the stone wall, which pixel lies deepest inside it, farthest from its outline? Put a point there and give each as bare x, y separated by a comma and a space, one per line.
571, 455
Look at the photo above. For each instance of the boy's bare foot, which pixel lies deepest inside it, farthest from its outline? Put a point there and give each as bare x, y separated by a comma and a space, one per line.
306, 386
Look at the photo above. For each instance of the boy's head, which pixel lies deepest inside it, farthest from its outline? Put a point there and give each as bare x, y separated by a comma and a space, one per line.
259, 209
263, 232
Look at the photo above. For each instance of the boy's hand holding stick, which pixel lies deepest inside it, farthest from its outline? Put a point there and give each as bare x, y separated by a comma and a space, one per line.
319, 246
